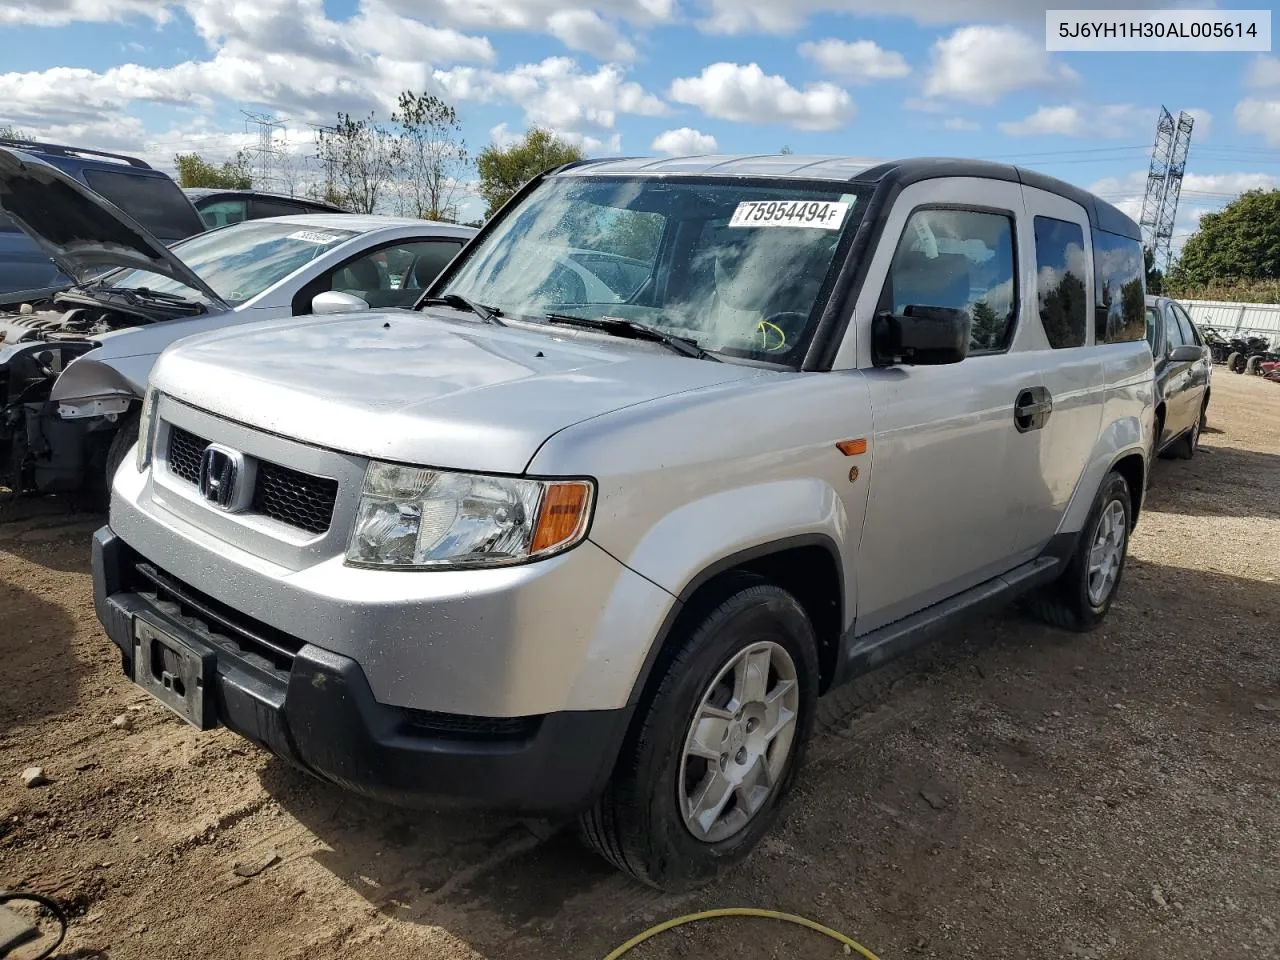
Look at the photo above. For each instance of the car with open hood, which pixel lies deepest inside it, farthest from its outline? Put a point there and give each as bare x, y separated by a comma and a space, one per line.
563, 547
74, 366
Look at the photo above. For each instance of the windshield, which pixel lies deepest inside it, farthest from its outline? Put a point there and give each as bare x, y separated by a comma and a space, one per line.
739, 266
242, 260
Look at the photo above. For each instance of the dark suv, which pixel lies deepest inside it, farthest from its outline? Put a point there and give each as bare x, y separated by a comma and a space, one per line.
218, 207
147, 195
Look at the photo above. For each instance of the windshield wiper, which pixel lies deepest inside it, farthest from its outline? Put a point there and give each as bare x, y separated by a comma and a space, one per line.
134, 295
459, 302
619, 327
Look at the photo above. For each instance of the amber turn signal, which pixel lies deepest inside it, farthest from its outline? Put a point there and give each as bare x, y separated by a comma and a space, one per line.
851, 448
562, 518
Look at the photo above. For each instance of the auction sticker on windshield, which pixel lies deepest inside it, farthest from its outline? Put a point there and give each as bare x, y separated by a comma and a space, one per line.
819, 214
311, 236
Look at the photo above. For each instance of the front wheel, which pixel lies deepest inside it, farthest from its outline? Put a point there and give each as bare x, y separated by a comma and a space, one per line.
1252, 364
126, 436
1081, 597
717, 746
1236, 362
1190, 442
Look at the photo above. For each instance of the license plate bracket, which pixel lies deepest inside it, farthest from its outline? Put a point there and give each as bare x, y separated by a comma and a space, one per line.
178, 673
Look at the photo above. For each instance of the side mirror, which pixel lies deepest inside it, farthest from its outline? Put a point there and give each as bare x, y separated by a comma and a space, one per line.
335, 301
920, 335
1186, 354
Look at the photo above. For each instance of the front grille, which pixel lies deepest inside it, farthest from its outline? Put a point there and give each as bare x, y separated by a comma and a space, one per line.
249, 639
185, 450
283, 494
298, 499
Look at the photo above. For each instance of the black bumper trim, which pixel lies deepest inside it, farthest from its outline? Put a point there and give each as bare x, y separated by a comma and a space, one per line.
322, 717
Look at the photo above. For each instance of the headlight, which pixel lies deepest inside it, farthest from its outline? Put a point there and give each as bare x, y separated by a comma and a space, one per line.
146, 430
415, 518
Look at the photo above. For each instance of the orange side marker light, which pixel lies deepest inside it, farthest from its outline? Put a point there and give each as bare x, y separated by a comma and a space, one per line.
851, 448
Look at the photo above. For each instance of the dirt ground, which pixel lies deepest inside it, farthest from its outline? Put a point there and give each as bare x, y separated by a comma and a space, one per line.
1010, 791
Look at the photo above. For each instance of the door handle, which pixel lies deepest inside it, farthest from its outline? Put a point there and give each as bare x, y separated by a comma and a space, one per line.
1032, 409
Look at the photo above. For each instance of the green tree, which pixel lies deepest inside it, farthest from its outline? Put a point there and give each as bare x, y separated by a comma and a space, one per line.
1241, 242
786, 150
195, 171
433, 154
504, 170
1155, 278
9, 132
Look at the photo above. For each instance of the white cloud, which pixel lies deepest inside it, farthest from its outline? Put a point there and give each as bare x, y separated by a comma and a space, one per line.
1071, 120
381, 30
56, 13
504, 137
1261, 117
960, 124
586, 30
859, 62
1263, 72
685, 140
747, 94
980, 64
532, 14
555, 93
770, 16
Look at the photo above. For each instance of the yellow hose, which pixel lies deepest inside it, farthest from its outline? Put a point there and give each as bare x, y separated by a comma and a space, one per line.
741, 912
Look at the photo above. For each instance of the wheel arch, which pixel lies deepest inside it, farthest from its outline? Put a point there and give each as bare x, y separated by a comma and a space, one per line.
806, 565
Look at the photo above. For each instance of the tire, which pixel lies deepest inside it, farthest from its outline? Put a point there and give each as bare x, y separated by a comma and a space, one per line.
639, 824
1067, 603
126, 436
1251, 365
1189, 442
1236, 362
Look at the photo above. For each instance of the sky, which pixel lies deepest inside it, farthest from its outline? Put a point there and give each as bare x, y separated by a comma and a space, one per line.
869, 78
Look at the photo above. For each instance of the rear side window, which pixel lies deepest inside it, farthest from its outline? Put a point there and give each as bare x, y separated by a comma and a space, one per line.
1119, 289
222, 212
155, 202
962, 259
1060, 281
276, 208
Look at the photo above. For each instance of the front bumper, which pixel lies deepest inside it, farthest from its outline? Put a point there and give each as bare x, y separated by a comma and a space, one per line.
314, 709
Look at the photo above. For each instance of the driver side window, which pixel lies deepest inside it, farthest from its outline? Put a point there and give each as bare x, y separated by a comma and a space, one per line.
960, 259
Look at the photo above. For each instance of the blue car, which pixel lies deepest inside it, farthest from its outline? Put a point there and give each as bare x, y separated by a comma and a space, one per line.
146, 194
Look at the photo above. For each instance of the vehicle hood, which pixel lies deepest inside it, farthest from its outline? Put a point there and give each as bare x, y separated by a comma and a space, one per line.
416, 388
82, 231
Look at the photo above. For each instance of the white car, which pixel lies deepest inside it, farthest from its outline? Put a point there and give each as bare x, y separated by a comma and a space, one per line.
73, 369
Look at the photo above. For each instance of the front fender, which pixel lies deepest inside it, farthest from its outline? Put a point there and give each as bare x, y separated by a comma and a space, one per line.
91, 387
694, 538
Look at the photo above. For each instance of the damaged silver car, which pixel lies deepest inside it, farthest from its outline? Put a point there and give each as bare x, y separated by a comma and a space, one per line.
74, 367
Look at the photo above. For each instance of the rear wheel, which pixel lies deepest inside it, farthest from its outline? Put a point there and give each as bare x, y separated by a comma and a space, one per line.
1252, 364
716, 748
1236, 362
1189, 442
1081, 597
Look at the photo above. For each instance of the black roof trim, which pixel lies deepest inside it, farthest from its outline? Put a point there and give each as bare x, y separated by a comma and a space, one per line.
902, 173
82, 153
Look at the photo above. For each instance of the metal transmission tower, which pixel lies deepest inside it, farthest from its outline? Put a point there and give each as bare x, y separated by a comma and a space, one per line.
1164, 183
1159, 170
265, 153
1173, 187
